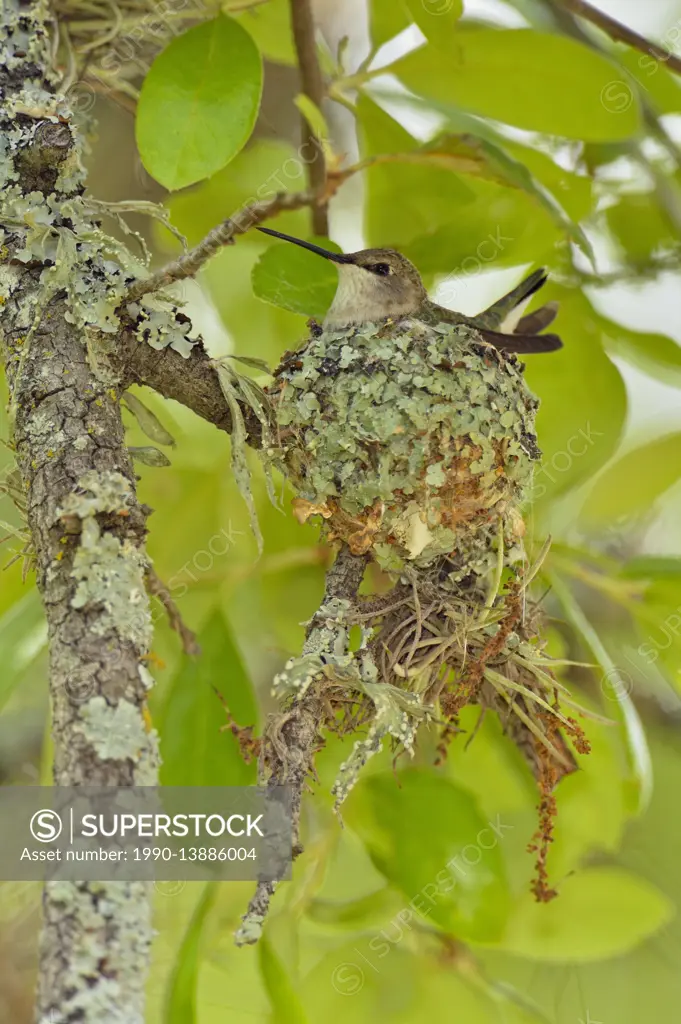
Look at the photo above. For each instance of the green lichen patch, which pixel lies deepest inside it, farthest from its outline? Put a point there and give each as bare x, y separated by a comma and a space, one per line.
98, 492
115, 733
410, 439
110, 574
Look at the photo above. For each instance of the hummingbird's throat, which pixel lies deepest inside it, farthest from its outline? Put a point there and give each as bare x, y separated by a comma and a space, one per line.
363, 297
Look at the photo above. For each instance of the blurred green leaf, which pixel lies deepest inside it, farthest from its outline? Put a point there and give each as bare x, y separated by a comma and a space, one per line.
583, 399
632, 484
416, 834
181, 1005
23, 636
600, 913
403, 200
480, 157
148, 421
640, 225
659, 619
637, 780
651, 566
534, 80
387, 18
355, 914
655, 354
149, 456
659, 85
286, 1005
436, 18
270, 26
195, 752
295, 279
199, 102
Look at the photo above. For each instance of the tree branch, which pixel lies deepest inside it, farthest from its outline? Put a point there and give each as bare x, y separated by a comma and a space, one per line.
87, 526
302, 23
290, 740
189, 264
621, 33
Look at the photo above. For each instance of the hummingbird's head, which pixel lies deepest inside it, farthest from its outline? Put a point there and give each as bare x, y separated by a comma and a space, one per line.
372, 284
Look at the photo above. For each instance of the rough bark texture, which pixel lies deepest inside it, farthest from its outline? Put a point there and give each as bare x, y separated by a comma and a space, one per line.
86, 524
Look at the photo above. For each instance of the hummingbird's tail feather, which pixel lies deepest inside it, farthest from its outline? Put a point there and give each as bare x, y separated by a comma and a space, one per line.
538, 320
498, 315
524, 344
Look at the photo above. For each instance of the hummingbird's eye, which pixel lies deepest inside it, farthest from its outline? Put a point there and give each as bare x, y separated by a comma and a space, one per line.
379, 268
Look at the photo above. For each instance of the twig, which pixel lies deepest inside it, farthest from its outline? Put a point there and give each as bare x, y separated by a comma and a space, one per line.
302, 24
667, 191
289, 759
191, 262
157, 588
622, 33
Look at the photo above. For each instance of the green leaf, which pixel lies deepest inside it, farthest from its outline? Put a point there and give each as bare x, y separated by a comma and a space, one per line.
270, 26
640, 225
148, 421
660, 87
149, 456
296, 279
635, 481
651, 567
533, 80
655, 354
286, 1005
583, 408
429, 839
436, 18
403, 200
182, 990
600, 913
195, 752
23, 636
659, 622
199, 102
638, 780
387, 18
492, 160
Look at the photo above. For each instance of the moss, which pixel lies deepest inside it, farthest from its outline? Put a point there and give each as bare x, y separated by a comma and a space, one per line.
411, 440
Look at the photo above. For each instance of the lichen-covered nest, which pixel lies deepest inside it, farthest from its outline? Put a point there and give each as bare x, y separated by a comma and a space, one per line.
409, 440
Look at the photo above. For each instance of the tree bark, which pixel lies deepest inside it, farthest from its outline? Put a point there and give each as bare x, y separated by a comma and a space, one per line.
86, 524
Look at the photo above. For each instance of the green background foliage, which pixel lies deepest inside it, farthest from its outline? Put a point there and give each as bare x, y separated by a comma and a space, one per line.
452, 181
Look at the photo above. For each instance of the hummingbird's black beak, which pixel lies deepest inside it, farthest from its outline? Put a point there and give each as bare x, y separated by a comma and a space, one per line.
337, 257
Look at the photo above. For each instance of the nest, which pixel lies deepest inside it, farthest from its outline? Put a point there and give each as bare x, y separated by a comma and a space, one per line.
410, 441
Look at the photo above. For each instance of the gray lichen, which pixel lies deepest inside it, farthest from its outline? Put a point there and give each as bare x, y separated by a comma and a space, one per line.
115, 732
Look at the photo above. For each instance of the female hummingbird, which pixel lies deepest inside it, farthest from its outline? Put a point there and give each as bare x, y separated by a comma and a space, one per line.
375, 284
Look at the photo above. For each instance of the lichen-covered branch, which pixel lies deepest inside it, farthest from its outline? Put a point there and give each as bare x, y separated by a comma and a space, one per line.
86, 524
189, 264
291, 738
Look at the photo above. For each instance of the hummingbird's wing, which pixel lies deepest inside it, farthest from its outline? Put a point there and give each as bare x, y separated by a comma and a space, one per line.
504, 326
501, 314
524, 344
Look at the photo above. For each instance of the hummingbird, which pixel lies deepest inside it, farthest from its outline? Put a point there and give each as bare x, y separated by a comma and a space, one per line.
377, 284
